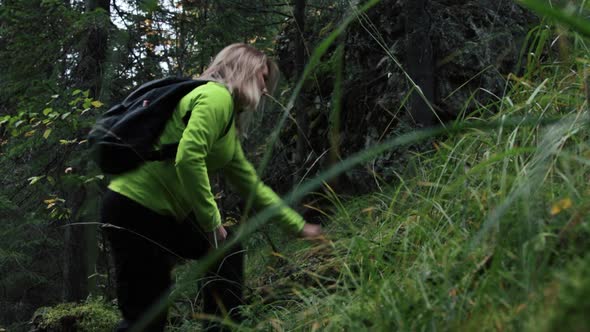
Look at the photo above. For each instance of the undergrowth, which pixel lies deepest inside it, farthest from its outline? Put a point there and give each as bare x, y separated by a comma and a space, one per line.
489, 230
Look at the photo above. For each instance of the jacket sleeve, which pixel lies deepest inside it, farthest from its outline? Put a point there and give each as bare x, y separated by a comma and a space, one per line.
242, 176
208, 116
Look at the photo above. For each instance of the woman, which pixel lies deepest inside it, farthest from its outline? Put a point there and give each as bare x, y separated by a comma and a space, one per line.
165, 209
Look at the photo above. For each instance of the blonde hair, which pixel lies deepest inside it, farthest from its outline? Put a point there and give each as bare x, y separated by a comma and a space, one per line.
237, 66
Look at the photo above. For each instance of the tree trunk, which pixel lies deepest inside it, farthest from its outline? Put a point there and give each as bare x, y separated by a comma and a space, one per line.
81, 240
300, 109
420, 62
90, 71
77, 245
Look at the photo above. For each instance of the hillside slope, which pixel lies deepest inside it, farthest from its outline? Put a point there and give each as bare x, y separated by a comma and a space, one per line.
488, 230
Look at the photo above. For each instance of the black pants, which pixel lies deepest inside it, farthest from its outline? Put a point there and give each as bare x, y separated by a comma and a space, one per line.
142, 242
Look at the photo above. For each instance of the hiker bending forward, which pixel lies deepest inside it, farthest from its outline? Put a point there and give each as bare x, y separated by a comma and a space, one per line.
165, 209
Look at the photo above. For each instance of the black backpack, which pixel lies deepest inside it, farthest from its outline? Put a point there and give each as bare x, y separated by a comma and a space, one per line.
124, 137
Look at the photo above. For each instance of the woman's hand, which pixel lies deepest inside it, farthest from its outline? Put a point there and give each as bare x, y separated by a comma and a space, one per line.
217, 236
311, 231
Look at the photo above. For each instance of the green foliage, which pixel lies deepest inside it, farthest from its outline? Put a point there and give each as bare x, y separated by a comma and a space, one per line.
44, 164
62, 123
27, 261
33, 62
92, 316
181, 38
32, 123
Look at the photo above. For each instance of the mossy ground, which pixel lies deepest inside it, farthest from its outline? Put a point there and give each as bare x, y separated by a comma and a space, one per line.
90, 316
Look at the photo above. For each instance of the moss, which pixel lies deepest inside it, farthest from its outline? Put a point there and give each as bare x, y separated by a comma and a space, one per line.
92, 316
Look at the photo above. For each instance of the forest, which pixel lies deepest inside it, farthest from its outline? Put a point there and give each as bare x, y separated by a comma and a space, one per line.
442, 145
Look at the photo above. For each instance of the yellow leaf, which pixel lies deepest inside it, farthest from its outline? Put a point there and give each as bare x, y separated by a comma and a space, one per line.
96, 104
274, 253
35, 179
561, 205
427, 184
29, 133
555, 209
566, 203
49, 201
46, 133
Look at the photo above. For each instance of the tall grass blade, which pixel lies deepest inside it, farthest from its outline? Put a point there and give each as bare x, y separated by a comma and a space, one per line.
569, 19
534, 173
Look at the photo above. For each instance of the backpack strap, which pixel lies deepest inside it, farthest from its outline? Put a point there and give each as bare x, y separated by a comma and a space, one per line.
228, 127
165, 152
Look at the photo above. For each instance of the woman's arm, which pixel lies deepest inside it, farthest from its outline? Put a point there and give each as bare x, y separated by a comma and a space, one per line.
242, 175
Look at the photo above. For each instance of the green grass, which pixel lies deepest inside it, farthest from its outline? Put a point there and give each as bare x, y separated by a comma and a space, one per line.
460, 246
488, 231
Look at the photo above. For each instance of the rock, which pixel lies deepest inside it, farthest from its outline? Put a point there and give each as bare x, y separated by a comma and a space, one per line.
475, 45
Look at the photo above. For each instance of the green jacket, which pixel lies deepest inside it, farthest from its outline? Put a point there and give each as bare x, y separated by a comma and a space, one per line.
177, 188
